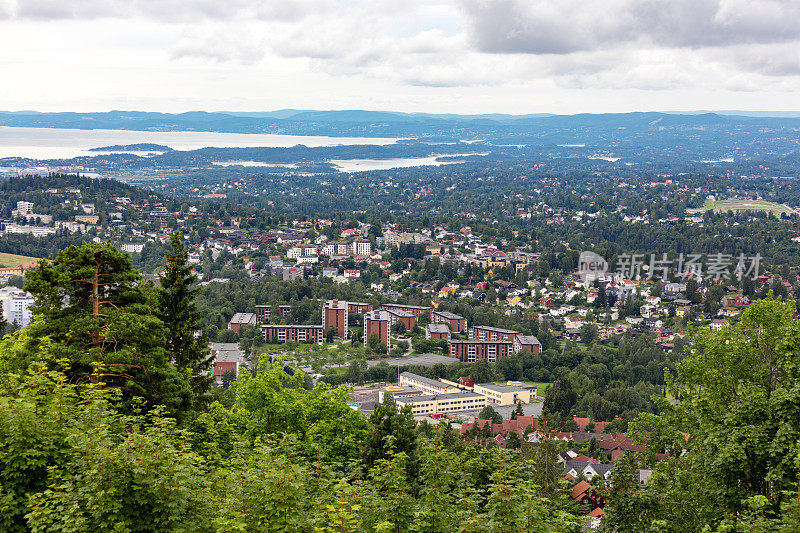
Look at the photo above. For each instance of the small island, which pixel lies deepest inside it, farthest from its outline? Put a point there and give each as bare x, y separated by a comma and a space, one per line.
139, 147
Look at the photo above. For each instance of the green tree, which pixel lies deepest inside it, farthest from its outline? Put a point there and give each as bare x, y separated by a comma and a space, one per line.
177, 295
92, 302
489, 413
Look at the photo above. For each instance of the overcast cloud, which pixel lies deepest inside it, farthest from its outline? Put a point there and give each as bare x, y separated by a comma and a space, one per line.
428, 55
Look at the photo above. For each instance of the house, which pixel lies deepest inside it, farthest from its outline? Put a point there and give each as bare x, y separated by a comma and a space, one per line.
546, 301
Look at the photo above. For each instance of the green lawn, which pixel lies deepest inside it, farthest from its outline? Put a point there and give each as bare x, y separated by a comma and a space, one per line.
748, 205
11, 260
541, 387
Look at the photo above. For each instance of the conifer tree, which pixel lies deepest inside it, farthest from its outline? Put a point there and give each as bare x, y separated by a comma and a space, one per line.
187, 347
92, 305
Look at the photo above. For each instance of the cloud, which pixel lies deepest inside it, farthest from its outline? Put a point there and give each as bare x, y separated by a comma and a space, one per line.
165, 10
567, 26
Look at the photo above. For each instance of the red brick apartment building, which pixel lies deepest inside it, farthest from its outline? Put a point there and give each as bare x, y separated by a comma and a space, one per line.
335, 313
437, 332
527, 343
408, 319
295, 332
457, 323
377, 322
471, 351
358, 307
264, 312
416, 310
486, 333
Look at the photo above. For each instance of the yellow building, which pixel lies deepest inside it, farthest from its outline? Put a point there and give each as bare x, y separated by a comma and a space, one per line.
504, 394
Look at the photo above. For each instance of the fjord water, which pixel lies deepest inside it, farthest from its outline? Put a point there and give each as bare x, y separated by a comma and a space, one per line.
54, 143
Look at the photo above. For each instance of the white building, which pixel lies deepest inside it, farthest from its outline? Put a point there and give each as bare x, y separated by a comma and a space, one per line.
362, 247
16, 306
132, 247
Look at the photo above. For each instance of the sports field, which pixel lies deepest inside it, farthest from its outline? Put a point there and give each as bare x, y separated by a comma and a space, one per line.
11, 260
748, 205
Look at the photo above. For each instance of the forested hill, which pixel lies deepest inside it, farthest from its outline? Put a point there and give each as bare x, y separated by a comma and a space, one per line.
387, 124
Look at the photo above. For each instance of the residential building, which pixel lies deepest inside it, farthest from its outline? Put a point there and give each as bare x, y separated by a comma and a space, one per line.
416, 310
437, 332
527, 343
132, 247
358, 307
399, 315
377, 323
456, 323
16, 305
473, 350
361, 247
335, 313
263, 313
241, 319
293, 332
486, 333
227, 358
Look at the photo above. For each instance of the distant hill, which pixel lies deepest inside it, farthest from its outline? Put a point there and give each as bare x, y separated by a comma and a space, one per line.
361, 123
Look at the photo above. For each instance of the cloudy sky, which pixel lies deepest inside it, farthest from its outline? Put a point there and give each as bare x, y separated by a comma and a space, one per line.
456, 56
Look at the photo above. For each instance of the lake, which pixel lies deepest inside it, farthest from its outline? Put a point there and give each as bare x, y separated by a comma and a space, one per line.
362, 165
54, 143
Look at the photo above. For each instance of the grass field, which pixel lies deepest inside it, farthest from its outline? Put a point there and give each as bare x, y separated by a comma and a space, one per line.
747, 205
540, 387
11, 260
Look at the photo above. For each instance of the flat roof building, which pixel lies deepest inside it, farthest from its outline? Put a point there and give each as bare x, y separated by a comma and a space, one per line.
503, 394
293, 332
488, 333
527, 343
242, 319
335, 314
471, 351
426, 385
377, 323
437, 332
457, 323
442, 403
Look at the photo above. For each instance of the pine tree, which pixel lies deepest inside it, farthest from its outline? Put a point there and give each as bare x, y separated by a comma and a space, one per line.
3, 322
183, 321
92, 305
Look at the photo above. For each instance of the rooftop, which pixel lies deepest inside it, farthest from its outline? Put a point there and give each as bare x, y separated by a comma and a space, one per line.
500, 387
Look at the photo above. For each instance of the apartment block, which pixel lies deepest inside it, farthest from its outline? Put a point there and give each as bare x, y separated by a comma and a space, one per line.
241, 319
377, 322
335, 313
437, 332
487, 333
361, 247
416, 310
527, 343
474, 350
295, 332
456, 323
398, 315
